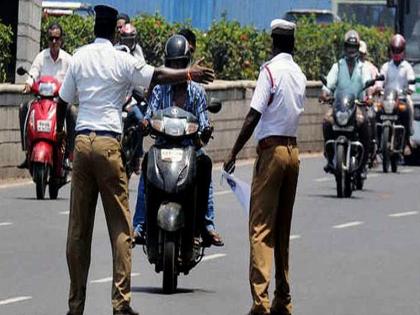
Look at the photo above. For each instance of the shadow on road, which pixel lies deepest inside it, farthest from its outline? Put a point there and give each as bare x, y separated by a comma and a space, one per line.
34, 198
158, 290
333, 197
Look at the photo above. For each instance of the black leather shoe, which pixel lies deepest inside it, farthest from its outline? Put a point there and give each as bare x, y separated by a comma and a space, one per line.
23, 165
125, 311
212, 238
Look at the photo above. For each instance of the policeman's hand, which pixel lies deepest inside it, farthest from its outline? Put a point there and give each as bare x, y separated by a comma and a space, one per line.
26, 89
201, 74
229, 164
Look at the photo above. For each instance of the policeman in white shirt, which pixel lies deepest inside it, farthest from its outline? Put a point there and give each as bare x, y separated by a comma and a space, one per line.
276, 106
52, 61
101, 75
399, 75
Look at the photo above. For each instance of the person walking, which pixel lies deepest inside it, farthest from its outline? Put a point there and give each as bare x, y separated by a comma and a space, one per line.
276, 106
101, 76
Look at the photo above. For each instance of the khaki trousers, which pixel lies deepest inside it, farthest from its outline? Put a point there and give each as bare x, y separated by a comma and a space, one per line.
273, 192
98, 168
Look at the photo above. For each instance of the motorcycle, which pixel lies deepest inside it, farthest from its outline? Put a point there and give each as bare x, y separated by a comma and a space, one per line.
345, 148
391, 130
45, 152
171, 195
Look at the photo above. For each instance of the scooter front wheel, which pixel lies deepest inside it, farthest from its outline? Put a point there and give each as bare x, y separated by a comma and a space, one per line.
170, 276
40, 176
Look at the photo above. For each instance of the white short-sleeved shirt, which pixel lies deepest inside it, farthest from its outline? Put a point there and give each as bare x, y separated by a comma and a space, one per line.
398, 76
101, 75
281, 117
44, 64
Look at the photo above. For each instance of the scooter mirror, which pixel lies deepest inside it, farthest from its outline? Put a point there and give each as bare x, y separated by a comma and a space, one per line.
214, 106
323, 80
21, 71
410, 82
380, 78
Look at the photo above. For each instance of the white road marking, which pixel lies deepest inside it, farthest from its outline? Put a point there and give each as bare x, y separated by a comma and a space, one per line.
65, 212
5, 184
15, 300
348, 224
109, 279
294, 237
403, 214
372, 175
220, 193
5, 223
324, 179
407, 170
214, 256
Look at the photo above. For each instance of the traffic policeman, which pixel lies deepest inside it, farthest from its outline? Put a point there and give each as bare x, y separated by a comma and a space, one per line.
101, 75
276, 106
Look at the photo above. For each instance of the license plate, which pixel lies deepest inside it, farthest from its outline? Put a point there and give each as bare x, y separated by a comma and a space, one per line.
43, 125
338, 128
389, 117
173, 155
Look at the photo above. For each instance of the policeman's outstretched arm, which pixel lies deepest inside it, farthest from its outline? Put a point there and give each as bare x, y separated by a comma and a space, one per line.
251, 121
196, 72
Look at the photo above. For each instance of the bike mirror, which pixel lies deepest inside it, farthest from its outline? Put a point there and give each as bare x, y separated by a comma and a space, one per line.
21, 71
380, 78
369, 83
323, 80
410, 82
214, 106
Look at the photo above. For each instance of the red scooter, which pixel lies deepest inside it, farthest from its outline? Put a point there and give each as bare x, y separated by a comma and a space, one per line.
45, 152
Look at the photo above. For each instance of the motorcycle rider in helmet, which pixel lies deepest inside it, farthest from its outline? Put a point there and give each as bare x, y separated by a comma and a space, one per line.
348, 75
398, 72
191, 97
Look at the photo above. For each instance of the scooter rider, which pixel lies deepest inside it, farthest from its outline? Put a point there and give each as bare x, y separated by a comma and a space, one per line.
399, 72
52, 61
191, 97
349, 75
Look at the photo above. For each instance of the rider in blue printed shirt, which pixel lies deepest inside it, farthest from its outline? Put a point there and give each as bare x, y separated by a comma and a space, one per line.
195, 102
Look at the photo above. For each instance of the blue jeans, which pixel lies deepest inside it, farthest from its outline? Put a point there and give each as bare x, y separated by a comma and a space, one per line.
139, 214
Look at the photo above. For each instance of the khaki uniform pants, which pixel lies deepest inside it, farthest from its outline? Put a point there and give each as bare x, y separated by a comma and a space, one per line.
273, 192
98, 168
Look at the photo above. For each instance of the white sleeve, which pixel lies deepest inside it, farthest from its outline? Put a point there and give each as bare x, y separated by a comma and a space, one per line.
68, 88
139, 73
332, 79
410, 77
262, 92
35, 70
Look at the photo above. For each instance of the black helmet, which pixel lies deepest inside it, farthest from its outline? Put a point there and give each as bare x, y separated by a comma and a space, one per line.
177, 48
351, 44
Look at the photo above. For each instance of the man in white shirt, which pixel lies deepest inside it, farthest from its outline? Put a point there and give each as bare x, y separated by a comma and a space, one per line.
102, 75
276, 106
52, 61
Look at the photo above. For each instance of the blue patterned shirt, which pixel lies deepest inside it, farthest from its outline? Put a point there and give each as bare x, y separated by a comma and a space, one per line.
196, 103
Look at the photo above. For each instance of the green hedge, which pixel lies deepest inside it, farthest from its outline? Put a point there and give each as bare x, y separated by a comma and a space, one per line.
235, 51
5, 55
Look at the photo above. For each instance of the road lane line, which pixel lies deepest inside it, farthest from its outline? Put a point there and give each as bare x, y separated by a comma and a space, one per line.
372, 175
15, 300
109, 279
294, 237
5, 223
348, 224
65, 212
220, 193
407, 170
403, 214
214, 256
324, 179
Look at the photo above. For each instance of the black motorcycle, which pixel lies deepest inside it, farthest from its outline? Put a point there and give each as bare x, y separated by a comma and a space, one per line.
171, 195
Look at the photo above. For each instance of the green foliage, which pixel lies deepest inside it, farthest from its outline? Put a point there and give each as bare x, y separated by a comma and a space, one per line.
234, 51
78, 31
5, 56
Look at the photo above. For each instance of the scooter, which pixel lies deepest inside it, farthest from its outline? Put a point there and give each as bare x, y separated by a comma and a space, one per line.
45, 152
171, 195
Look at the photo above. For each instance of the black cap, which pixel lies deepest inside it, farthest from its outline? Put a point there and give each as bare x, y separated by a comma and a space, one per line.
104, 12
123, 16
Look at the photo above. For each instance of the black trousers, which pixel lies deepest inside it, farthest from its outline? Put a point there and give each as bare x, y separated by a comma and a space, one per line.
71, 117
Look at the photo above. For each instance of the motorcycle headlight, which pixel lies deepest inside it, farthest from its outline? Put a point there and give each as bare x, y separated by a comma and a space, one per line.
191, 128
46, 89
174, 126
389, 106
157, 124
342, 117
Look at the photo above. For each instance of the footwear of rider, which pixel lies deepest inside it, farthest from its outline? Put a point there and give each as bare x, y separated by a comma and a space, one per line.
139, 238
125, 311
328, 168
23, 165
213, 238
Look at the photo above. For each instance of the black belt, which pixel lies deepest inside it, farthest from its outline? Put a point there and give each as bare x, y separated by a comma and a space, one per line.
272, 141
101, 133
